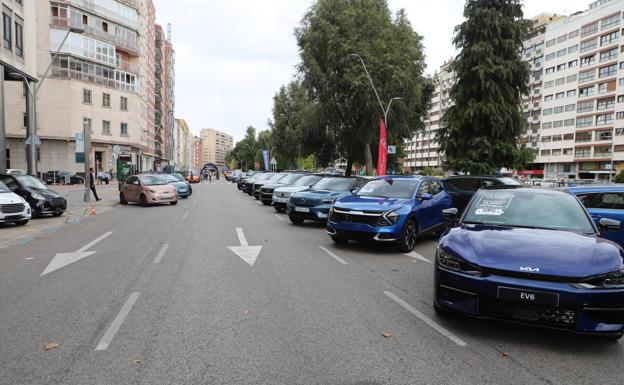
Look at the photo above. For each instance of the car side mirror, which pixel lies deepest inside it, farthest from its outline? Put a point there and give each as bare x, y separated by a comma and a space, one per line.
136, 182
450, 216
425, 196
609, 224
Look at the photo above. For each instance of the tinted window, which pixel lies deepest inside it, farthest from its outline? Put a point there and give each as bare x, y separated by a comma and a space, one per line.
528, 208
9, 182
29, 181
389, 188
609, 200
334, 184
425, 188
152, 180
436, 187
131, 179
489, 182
510, 181
307, 180
4, 188
470, 184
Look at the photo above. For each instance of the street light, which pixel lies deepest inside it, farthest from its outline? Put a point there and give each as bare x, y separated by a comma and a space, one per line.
32, 108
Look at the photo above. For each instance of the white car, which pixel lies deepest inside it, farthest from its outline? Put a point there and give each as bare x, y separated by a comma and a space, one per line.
282, 194
13, 208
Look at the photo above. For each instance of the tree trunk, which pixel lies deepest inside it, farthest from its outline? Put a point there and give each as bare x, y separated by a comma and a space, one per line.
369, 159
349, 165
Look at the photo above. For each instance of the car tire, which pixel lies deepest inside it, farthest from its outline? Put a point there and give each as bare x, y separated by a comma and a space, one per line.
612, 337
408, 239
173, 203
266, 203
21, 223
57, 214
294, 218
122, 199
278, 208
339, 239
143, 200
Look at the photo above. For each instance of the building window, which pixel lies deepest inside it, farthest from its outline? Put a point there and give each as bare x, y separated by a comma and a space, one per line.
573, 63
545, 153
571, 93
86, 96
556, 151
550, 56
609, 38
557, 123
588, 45
547, 111
605, 104
610, 22
6, 31
106, 127
560, 81
548, 98
549, 84
620, 98
567, 151
587, 91
573, 48
25, 120
558, 110
559, 95
561, 67
550, 70
588, 60
582, 137
589, 29
556, 138
546, 138
546, 125
607, 71
568, 122
611, 54
619, 115
19, 39
570, 107
562, 52
105, 100
573, 34
604, 135
551, 42
603, 88
603, 120
584, 122
568, 136
123, 103
571, 78
586, 76
124, 129
562, 38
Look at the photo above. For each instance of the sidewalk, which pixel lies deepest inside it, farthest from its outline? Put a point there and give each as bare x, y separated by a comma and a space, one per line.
77, 211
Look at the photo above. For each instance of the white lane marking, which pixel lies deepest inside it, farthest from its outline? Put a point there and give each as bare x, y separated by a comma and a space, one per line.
94, 242
29, 258
337, 258
279, 217
439, 328
161, 253
418, 257
241, 237
114, 327
185, 215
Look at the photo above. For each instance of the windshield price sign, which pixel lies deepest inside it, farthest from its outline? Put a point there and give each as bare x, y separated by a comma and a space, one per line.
493, 204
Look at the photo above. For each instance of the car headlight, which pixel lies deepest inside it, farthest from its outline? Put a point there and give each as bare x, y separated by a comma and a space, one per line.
153, 191
614, 280
37, 196
451, 262
331, 211
392, 217
328, 201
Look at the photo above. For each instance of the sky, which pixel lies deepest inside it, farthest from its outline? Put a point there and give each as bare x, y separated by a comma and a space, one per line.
232, 56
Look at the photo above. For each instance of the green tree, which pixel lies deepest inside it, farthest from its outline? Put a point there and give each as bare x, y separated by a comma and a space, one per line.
331, 31
480, 131
619, 178
247, 151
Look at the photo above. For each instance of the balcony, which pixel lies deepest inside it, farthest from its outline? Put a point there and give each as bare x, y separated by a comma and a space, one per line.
91, 6
129, 45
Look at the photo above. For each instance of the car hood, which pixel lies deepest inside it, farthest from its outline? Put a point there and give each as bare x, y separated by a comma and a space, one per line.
553, 252
160, 187
10, 198
179, 184
361, 203
46, 193
291, 189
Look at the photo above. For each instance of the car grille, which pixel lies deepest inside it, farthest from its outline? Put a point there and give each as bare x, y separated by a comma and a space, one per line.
372, 220
57, 202
266, 190
12, 208
305, 202
546, 315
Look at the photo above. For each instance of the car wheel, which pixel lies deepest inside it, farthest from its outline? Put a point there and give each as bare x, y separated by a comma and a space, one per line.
122, 199
57, 214
173, 203
143, 200
612, 337
294, 218
408, 239
266, 203
21, 223
277, 208
339, 239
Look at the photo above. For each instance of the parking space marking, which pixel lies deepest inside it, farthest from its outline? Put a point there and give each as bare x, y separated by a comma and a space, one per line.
161, 253
337, 258
434, 325
114, 327
418, 257
259, 203
279, 217
185, 215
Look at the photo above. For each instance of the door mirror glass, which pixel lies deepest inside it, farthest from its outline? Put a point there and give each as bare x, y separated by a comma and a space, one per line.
609, 224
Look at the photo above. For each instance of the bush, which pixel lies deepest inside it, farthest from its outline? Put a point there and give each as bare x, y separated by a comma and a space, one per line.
619, 178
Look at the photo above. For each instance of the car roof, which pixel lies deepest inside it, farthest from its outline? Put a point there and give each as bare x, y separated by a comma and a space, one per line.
524, 189
417, 177
477, 176
588, 188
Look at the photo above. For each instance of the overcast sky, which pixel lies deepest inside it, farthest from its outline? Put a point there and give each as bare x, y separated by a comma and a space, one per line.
232, 56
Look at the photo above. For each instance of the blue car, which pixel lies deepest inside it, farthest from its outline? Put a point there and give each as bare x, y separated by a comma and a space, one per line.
394, 209
314, 203
183, 188
603, 201
531, 256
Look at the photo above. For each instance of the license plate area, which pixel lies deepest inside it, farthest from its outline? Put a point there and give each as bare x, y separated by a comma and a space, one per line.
302, 209
528, 296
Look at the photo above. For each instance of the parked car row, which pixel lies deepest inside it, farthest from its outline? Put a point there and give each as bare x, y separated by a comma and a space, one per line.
548, 257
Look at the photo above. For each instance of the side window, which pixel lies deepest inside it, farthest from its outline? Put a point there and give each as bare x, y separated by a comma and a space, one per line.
130, 179
9, 182
424, 188
489, 183
612, 200
589, 200
470, 184
451, 184
436, 188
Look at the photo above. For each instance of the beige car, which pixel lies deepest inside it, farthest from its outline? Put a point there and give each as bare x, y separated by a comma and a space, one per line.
146, 190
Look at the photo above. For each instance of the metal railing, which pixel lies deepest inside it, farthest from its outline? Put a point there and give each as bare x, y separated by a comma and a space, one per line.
123, 42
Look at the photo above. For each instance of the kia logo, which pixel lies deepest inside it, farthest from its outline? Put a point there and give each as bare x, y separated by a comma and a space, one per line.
530, 269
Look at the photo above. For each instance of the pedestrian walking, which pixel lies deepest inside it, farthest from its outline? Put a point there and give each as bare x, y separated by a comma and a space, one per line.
210, 176
92, 184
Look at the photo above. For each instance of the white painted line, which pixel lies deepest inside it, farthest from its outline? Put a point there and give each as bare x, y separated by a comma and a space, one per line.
418, 257
114, 327
94, 242
279, 217
337, 258
439, 328
161, 253
29, 258
185, 215
241, 237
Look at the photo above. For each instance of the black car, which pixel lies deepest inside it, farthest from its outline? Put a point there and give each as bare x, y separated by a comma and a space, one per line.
275, 178
250, 182
42, 200
240, 182
63, 177
266, 191
463, 187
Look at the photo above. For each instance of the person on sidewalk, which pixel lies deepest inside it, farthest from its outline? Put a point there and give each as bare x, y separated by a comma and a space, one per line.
92, 184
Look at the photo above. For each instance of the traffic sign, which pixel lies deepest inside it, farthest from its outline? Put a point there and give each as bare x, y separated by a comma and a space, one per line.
391, 149
37, 141
273, 161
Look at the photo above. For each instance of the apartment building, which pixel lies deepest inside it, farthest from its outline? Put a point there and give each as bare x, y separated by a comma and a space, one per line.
582, 125
18, 64
215, 146
197, 149
184, 143
169, 96
423, 149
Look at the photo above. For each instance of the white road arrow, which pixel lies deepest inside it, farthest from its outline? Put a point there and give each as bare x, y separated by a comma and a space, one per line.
63, 259
247, 253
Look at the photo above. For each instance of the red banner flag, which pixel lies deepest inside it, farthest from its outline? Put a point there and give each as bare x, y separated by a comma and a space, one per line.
382, 157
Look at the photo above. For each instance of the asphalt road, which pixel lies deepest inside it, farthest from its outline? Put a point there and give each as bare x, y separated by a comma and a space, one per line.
155, 296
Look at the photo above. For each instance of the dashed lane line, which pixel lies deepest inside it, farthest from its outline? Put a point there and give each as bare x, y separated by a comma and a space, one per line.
331, 254
117, 322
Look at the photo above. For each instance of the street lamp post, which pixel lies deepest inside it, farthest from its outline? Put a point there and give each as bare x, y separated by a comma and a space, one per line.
31, 158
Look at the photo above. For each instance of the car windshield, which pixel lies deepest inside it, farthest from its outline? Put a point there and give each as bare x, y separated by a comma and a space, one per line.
510, 181
389, 188
263, 176
171, 178
178, 177
4, 188
290, 178
333, 184
308, 180
31, 182
528, 208
153, 180
277, 177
